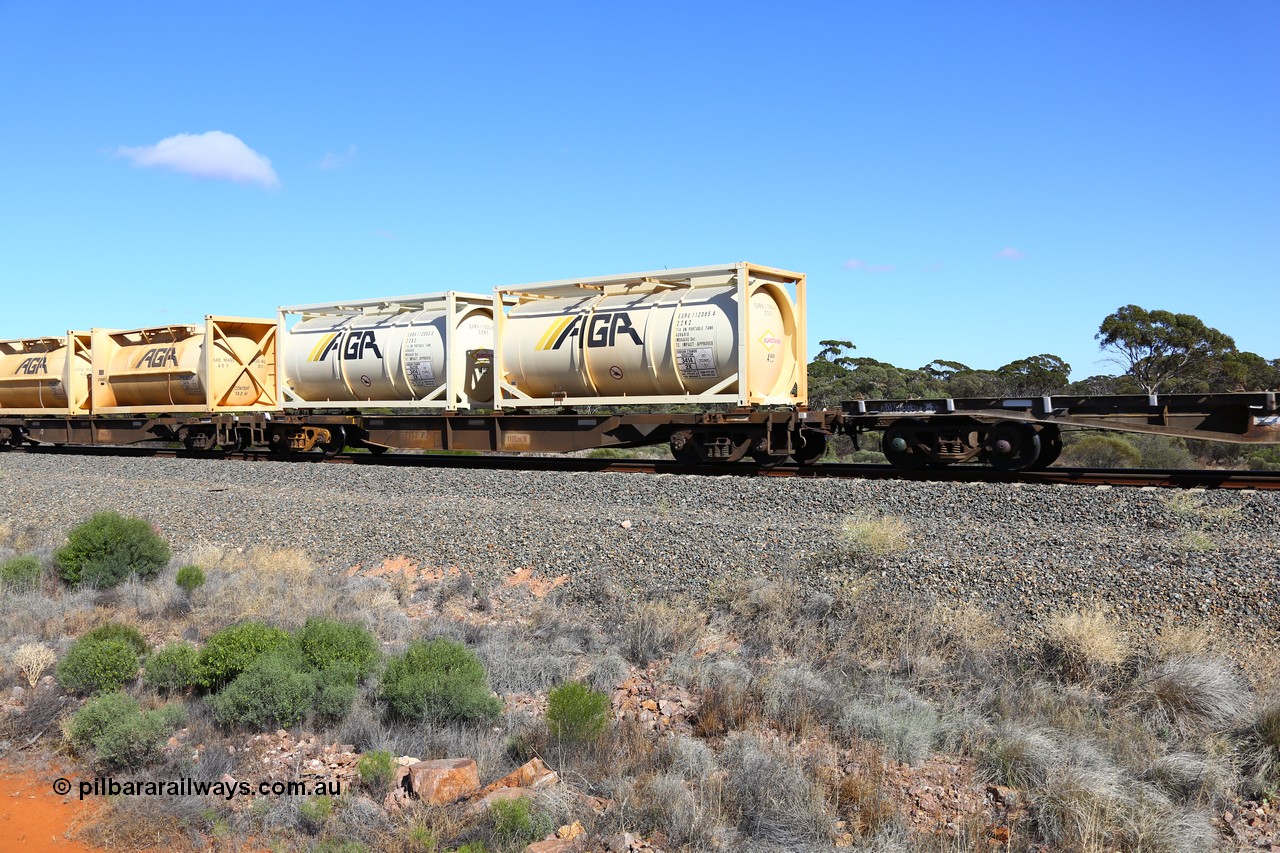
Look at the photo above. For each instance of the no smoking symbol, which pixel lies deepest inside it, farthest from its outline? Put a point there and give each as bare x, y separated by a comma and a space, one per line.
615, 372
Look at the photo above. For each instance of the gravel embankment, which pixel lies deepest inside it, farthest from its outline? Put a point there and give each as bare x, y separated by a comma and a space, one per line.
1021, 551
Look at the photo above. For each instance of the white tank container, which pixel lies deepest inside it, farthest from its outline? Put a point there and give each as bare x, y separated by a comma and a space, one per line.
401, 356
653, 341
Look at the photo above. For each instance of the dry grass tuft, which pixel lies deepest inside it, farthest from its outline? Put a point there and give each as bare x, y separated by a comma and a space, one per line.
727, 702
798, 699
1188, 696
1261, 751
1189, 778
861, 797
1197, 541
1021, 758
904, 725
135, 823
658, 629
1147, 820
867, 535
32, 659
688, 812
279, 586
771, 798
1190, 508
1083, 647
1076, 805
1181, 641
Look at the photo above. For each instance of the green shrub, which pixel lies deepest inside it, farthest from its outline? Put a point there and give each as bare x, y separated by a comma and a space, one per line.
315, 813
119, 631
231, 651
274, 692
120, 733
1162, 451
172, 668
576, 713
514, 821
377, 771
190, 578
97, 666
440, 680
325, 641
21, 573
92, 719
336, 690
1102, 451
109, 547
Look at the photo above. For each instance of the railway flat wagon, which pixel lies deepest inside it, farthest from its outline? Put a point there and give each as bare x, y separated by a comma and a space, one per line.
189, 383
709, 360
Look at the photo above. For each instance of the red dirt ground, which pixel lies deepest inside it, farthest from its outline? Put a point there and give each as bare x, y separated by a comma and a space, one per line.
33, 819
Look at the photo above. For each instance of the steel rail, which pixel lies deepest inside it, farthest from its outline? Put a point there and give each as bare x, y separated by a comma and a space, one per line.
1126, 477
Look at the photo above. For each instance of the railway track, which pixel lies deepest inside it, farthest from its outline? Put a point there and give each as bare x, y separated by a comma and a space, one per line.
1130, 477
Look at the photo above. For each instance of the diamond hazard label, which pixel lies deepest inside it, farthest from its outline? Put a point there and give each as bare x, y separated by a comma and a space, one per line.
769, 340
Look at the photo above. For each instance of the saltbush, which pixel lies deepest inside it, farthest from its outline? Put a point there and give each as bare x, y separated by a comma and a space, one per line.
336, 690
108, 547
576, 713
20, 573
119, 732
1102, 451
326, 641
232, 650
119, 631
273, 692
97, 666
190, 578
440, 680
172, 668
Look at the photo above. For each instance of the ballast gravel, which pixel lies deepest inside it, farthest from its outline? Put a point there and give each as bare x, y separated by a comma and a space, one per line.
1023, 551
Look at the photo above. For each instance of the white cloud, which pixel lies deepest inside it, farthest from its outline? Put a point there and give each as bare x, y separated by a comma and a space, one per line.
215, 155
330, 160
858, 264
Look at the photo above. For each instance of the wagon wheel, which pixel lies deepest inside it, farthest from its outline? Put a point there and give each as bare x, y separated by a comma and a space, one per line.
337, 441
684, 448
810, 446
1050, 446
766, 460
902, 447
1011, 446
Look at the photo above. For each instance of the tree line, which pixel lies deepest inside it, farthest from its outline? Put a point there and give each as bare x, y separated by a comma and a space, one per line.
1159, 352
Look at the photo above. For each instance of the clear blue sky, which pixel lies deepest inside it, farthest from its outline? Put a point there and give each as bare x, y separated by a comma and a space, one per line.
971, 181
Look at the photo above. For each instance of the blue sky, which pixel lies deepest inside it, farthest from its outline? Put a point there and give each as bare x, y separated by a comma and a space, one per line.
977, 182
